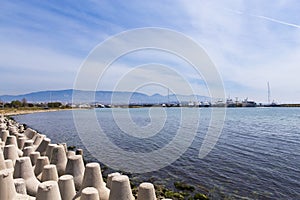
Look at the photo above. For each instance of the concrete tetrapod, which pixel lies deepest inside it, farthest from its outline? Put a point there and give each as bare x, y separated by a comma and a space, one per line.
12, 140
2, 161
9, 164
43, 146
49, 173
66, 187
28, 143
23, 169
110, 177
59, 158
120, 188
2, 126
49, 150
38, 140
12, 130
7, 187
93, 178
65, 146
70, 153
75, 167
29, 133
3, 135
27, 151
34, 137
48, 191
21, 128
2, 144
39, 166
89, 193
20, 135
10, 152
33, 157
146, 191
21, 141
79, 152
20, 186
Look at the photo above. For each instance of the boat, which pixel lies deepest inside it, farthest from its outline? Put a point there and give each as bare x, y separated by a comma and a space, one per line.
205, 104
273, 104
230, 103
248, 103
219, 103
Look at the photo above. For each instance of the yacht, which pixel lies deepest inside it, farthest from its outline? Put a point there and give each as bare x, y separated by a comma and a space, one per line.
248, 103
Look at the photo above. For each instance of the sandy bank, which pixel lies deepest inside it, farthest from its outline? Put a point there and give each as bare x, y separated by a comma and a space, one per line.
11, 112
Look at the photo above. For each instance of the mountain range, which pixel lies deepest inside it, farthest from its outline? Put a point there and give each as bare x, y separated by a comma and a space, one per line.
105, 97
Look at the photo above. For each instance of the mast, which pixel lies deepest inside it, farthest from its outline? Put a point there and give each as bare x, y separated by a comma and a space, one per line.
269, 93
168, 96
50, 96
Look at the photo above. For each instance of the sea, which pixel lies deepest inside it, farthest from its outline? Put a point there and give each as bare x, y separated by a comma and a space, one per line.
256, 155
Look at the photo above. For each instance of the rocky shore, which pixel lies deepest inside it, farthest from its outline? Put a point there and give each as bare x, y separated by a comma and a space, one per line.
31, 167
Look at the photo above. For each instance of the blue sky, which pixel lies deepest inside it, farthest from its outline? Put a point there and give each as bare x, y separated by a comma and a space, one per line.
43, 43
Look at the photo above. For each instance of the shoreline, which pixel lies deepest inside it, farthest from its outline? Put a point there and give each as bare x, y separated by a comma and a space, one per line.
181, 191
14, 112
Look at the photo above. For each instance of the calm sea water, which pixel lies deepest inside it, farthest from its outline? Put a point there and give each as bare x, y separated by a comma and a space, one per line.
257, 155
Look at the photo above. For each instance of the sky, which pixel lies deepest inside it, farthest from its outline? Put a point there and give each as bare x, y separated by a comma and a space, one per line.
44, 43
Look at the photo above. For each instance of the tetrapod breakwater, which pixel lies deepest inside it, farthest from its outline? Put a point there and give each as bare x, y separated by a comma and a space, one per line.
31, 167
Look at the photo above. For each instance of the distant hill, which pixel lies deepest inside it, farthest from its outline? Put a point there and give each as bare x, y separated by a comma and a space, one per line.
65, 96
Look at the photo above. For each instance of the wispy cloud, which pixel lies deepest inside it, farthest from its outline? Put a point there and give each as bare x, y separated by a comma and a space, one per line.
276, 21
250, 49
265, 18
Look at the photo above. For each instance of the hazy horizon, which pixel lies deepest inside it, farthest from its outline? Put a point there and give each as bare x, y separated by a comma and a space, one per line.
141, 92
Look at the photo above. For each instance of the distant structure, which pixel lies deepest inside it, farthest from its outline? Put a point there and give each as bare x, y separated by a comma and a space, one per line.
269, 93
271, 104
168, 96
